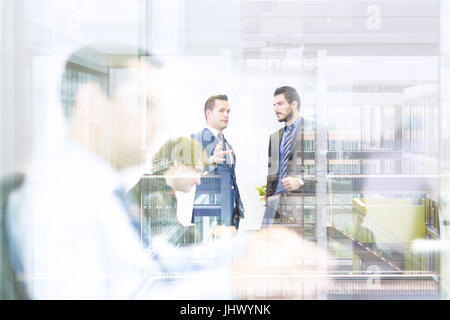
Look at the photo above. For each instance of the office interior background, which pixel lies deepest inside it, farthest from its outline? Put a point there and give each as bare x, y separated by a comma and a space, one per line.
373, 77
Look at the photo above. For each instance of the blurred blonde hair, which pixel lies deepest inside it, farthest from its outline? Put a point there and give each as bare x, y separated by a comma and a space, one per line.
183, 150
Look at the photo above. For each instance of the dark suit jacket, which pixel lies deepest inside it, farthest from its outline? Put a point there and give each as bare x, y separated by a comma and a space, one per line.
219, 185
295, 166
11, 287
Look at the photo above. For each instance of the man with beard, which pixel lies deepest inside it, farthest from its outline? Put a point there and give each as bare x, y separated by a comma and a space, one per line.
284, 178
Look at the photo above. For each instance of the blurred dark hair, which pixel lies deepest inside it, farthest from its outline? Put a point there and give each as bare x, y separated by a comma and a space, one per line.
289, 93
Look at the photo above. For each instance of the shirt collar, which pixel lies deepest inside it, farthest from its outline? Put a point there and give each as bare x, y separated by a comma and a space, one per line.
213, 130
295, 123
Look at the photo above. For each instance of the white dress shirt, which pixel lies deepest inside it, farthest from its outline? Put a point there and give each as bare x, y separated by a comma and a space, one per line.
229, 158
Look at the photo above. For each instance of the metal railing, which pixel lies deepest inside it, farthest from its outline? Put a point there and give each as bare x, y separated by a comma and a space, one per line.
375, 239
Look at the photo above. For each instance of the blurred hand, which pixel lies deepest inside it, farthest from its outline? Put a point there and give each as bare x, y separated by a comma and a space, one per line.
218, 154
292, 183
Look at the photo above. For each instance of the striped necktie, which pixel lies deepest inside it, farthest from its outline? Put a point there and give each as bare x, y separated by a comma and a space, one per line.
285, 148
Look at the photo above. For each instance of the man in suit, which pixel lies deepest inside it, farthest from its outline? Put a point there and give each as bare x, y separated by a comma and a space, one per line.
284, 178
219, 186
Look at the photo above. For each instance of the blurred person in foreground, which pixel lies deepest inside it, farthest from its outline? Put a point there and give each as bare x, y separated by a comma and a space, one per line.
71, 233
70, 230
176, 168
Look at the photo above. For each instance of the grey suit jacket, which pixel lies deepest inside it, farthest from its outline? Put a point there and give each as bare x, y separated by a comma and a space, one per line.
295, 166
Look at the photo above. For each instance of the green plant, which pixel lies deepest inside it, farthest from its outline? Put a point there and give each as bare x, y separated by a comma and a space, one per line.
262, 191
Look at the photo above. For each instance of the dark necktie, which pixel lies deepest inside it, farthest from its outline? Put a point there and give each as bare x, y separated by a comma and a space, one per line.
285, 148
221, 138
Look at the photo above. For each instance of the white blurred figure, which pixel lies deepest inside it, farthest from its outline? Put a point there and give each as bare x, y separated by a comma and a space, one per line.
70, 230
71, 234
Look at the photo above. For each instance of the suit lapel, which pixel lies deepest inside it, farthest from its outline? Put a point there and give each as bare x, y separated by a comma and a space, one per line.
280, 136
232, 153
209, 141
275, 153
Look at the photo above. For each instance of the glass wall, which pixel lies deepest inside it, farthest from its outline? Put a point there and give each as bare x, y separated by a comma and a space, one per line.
371, 78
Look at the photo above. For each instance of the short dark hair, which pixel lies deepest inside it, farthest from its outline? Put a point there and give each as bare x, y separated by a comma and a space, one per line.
289, 93
209, 104
91, 63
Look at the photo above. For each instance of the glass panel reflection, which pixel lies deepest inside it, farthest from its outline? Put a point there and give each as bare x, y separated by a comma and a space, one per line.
372, 80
